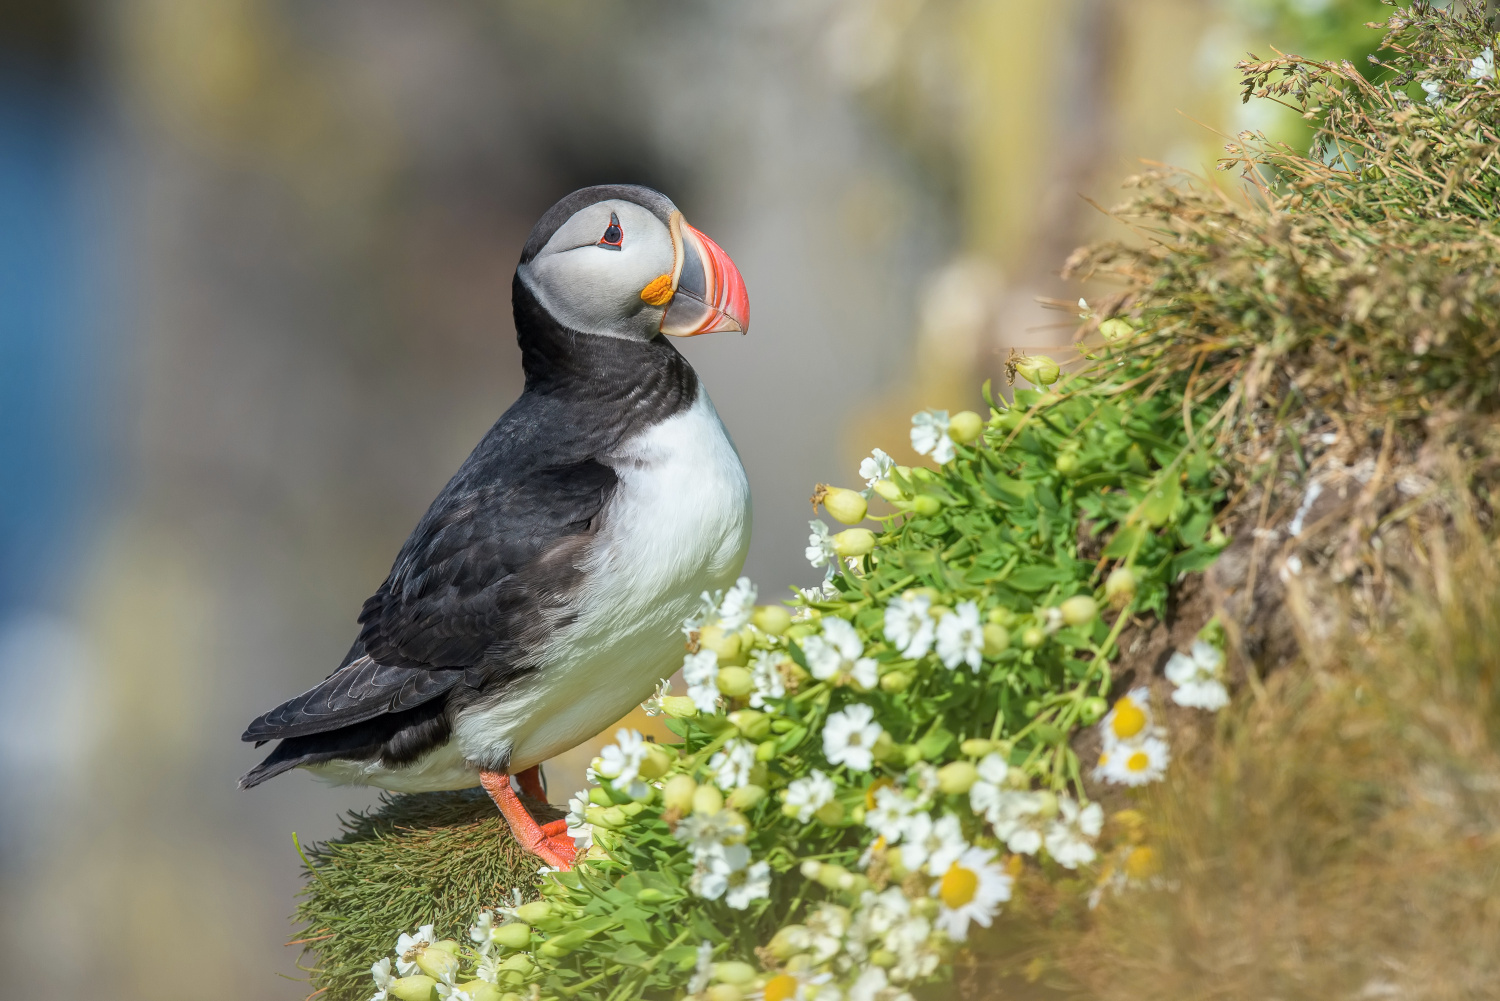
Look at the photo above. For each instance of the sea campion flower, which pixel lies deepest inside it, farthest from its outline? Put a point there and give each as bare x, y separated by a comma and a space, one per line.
620, 762
1070, 838
381, 972
875, 468
748, 884
739, 602
1198, 677
1482, 66
652, 706
838, 655
731, 766
936, 844
712, 870
579, 829
1017, 819
765, 674
960, 637
407, 947
909, 626
971, 890
890, 813
820, 549
1434, 89
929, 435
849, 735
809, 795
987, 793
700, 670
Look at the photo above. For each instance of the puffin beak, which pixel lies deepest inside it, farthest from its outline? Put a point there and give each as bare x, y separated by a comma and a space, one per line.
708, 293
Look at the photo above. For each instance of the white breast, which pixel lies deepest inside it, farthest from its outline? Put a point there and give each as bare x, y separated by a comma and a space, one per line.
677, 525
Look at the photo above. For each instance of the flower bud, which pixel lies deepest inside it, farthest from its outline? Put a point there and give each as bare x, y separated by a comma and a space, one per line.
895, 682
996, 640
844, 505
888, 490
789, 941
965, 426
1116, 329
724, 992
515, 935
655, 763
599, 796
1067, 463
726, 645
535, 912
417, 988
439, 964
1048, 801
830, 875
1039, 370
766, 752
1000, 616
520, 963
771, 619
746, 796
677, 794
679, 706
610, 816
926, 505
957, 777
978, 747
1079, 610
754, 724
482, 990
1033, 637
735, 682
810, 869
853, 542
1092, 710
707, 800
1119, 588
830, 813
734, 973
884, 958
885, 747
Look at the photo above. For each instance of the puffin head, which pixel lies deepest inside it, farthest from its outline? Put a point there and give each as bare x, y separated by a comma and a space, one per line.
618, 260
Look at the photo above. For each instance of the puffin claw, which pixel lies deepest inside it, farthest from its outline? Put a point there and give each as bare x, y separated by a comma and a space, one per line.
549, 842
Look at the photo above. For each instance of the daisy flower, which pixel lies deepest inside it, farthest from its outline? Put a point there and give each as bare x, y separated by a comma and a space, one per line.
1130, 718
838, 655
1070, 837
908, 625
960, 637
875, 468
730, 767
381, 971
407, 947
971, 890
750, 883
820, 546
1135, 764
765, 675
701, 671
1198, 677
849, 735
935, 844
739, 602
809, 795
929, 435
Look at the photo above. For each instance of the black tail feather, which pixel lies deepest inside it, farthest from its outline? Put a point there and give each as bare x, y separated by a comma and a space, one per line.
396, 738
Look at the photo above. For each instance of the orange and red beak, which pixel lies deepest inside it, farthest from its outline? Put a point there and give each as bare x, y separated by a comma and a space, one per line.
708, 293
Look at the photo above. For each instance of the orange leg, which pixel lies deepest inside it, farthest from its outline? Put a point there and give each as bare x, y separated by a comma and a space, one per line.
550, 842
531, 783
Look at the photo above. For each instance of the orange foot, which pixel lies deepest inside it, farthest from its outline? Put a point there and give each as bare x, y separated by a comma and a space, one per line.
550, 842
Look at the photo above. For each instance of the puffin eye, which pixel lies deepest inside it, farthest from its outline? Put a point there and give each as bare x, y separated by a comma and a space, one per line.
614, 236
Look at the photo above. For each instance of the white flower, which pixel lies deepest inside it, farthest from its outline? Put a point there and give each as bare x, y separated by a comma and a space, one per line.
838, 654
712, 870
730, 767
1018, 820
1482, 66
579, 829
739, 602
488, 967
1134, 764
826, 928
929, 434
1070, 838
484, 923
908, 625
971, 890
870, 985
708, 833
750, 883
1434, 89
407, 947
888, 817
703, 972
1198, 677
935, 844
701, 672
652, 706
877, 467
449, 992
381, 971
960, 637
1129, 721
986, 792
620, 762
820, 546
765, 674
848, 736
809, 795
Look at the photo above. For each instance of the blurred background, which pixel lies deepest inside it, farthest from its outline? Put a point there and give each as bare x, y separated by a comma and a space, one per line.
255, 261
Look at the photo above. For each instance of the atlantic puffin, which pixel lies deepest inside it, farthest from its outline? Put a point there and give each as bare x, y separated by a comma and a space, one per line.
541, 596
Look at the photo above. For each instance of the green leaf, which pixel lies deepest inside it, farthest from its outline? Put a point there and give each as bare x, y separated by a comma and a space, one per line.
1124, 542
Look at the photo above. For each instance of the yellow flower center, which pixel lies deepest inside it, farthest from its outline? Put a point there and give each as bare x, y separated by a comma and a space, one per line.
782, 987
1138, 761
958, 887
1129, 719
876, 786
1142, 863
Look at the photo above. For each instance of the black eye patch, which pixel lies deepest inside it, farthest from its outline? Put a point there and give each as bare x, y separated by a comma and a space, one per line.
614, 236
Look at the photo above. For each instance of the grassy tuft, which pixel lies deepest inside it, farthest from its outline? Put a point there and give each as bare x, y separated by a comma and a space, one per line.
431, 858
